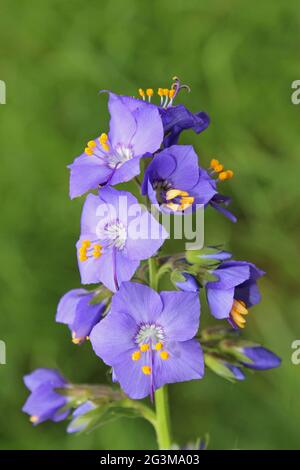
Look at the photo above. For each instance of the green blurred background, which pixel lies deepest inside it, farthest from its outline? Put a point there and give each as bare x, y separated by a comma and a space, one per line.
240, 59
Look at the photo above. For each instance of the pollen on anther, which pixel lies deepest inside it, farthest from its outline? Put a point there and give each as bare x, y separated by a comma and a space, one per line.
91, 144
164, 355
33, 419
214, 162
146, 370
149, 92
141, 92
225, 175
136, 355
103, 141
158, 346
144, 347
97, 251
88, 151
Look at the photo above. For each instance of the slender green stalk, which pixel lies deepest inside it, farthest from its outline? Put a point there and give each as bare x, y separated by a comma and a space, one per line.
162, 419
161, 395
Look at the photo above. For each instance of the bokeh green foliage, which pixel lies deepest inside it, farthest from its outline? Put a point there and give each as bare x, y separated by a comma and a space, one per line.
239, 59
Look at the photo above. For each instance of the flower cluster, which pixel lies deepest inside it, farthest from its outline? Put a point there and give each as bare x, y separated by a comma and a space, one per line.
147, 337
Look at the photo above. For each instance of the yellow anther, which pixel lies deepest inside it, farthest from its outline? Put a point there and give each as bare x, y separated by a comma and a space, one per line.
186, 202
164, 355
88, 151
160, 92
240, 307
225, 175
218, 168
103, 141
83, 250
146, 370
136, 355
82, 254
165, 92
91, 144
172, 193
238, 312
171, 93
97, 251
141, 92
214, 162
103, 138
149, 92
33, 419
144, 347
105, 147
158, 346
75, 339
238, 319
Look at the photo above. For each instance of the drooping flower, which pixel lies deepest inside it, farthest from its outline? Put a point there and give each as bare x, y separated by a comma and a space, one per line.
175, 118
116, 234
174, 181
115, 157
147, 338
234, 292
76, 310
80, 418
44, 402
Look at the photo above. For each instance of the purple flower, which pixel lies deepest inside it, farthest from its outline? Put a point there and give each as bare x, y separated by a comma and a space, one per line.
44, 402
76, 310
80, 420
115, 158
234, 292
147, 338
175, 119
178, 118
175, 182
260, 358
116, 234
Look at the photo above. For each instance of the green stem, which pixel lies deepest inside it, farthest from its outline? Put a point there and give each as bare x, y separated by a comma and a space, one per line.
162, 419
161, 395
152, 273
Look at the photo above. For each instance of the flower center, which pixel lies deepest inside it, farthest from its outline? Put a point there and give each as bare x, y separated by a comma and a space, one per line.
120, 155
149, 333
173, 199
116, 232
